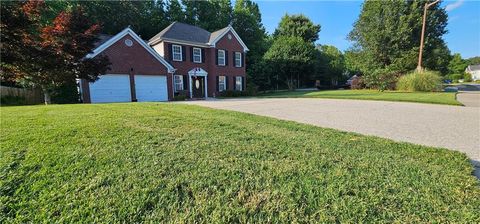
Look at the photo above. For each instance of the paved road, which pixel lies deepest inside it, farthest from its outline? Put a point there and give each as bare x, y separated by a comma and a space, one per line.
452, 127
469, 99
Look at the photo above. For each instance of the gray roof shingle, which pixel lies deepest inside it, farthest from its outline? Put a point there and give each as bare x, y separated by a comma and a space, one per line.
474, 67
183, 32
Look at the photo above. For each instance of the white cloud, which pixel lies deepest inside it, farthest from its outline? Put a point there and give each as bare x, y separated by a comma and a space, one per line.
454, 5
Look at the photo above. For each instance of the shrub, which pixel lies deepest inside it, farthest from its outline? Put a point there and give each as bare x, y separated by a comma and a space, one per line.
426, 81
358, 83
233, 93
382, 79
181, 95
12, 101
467, 77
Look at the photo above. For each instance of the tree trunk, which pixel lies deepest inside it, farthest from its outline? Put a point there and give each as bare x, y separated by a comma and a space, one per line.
46, 96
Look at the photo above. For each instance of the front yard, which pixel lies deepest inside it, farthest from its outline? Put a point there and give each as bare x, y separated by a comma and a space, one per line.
164, 162
418, 97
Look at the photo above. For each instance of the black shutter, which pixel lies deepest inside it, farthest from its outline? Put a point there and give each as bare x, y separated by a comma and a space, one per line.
243, 59
244, 85
203, 55
191, 54
226, 82
234, 82
170, 52
226, 58
216, 56
217, 83
185, 82
183, 53
234, 58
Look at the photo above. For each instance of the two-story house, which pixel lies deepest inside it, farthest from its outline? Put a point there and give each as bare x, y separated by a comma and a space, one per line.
206, 63
181, 59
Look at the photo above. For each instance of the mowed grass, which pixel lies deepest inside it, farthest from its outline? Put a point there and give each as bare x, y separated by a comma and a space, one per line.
165, 162
448, 98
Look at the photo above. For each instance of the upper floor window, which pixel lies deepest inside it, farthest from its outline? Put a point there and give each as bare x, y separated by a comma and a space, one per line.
197, 55
221, 57
177, 52
238, 59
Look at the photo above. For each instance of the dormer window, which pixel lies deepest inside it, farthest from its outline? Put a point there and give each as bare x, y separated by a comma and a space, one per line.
177, 52
221, 57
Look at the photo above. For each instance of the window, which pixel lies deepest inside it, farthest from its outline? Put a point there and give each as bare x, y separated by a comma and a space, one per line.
222, 85
221, 57
238, 83
178, 80
238, 59
197, 55
177, 52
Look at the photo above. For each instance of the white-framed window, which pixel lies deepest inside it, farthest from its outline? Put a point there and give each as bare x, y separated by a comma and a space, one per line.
197, 55
178, 80
177, 52
238, 59
238, 83
222, 83
221, 57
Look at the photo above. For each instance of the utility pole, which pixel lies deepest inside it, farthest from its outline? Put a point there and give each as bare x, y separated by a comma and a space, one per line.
427, 5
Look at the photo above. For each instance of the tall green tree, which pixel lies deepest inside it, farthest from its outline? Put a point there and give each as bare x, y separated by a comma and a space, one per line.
211, 15
291, 59
175, 11
387, 35
298, 26
330, 64
247, 22
457, 65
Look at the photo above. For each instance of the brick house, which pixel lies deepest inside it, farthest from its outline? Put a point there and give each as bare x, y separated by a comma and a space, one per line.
181, 59
206, 63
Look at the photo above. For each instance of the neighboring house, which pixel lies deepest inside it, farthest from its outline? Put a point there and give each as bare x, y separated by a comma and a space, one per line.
137, 72
474, 70
181, 59
206, 63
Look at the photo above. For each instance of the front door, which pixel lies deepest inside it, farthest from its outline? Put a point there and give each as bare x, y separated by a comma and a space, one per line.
198, 86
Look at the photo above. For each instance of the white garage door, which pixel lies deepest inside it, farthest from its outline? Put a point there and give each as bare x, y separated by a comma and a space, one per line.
151, 88
111, 88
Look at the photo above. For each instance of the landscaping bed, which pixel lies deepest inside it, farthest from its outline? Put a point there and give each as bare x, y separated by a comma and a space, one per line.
165, 162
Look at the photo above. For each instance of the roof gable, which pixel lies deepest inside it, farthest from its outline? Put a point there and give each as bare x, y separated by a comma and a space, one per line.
128, 31
220, 33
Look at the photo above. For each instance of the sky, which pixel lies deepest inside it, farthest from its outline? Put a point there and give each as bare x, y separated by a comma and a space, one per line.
337, 17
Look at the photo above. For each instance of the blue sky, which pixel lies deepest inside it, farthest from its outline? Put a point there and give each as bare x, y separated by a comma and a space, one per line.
337, 17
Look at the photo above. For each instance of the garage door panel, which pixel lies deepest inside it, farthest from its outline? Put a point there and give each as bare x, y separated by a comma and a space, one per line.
111, 88
151, 88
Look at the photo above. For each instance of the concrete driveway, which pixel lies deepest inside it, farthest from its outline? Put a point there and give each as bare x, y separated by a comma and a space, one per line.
452, 127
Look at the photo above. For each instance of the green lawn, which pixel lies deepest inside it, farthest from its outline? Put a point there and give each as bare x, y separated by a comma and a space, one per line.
154, 162
419, 97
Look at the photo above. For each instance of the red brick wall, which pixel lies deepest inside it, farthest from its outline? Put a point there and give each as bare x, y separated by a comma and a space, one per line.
209, 65
132, 60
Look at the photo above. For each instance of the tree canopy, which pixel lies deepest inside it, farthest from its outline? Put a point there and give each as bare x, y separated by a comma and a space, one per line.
298, 26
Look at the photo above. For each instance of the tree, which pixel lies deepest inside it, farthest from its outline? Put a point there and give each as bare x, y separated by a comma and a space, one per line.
292, 60
330, 63
387, 35
298, 26
175, 12
457, 65
211, 15
474, 61
55, 53
247, 22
